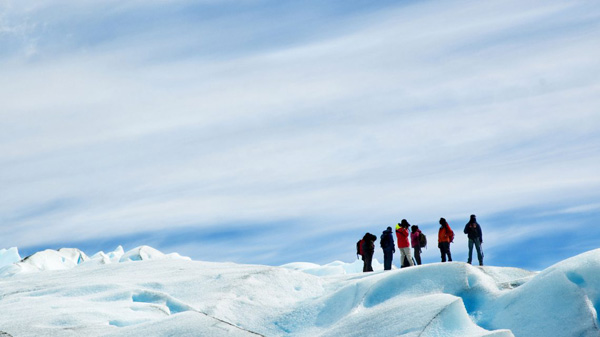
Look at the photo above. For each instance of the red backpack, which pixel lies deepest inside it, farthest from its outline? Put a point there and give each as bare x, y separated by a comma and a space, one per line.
359, 248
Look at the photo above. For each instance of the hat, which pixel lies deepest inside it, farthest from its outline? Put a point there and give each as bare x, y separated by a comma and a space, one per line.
472, 216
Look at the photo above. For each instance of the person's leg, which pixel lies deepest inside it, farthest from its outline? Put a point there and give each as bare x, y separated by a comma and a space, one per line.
479, 254
443, 252
368, 261
387, 260
471, 251
409, 256
418, 255
446, 250
402, 257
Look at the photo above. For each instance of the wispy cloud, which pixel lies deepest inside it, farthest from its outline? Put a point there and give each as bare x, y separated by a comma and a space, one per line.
147, 116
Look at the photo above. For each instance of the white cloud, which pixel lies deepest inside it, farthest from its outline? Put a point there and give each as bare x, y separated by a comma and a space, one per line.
414, 112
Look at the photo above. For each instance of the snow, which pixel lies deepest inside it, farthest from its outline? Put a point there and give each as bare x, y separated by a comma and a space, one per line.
145, 292
9, 256
333, 268
147, 253
68, 258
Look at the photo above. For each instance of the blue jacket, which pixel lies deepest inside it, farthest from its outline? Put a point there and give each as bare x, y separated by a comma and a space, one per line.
387, 241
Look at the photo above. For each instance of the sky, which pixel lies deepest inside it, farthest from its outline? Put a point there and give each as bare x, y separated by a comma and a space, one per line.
269, 132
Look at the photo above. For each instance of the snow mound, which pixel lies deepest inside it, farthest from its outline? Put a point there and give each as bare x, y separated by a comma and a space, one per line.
566, 295
429, 300
145, 253
68, 258
105, 258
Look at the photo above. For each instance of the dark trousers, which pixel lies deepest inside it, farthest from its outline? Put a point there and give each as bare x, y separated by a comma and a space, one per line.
367, 263
477, 245
418, 255
388, 255
445, 250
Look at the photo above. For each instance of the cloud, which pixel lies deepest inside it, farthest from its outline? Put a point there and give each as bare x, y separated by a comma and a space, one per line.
152, 117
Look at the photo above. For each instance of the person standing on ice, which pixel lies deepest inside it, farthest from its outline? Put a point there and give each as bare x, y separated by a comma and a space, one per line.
473, 231
368, 247
415, 237
445, 237
403, 242
387, 244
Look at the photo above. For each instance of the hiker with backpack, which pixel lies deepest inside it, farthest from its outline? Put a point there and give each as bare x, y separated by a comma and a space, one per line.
473, 231
445, 237
404, 243
387, 244
366, 248
418, 241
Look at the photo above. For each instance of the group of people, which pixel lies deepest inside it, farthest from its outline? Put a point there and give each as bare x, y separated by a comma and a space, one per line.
417, 240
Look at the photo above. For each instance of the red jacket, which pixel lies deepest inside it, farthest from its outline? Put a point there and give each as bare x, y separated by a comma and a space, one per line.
445, 234
414, 239
402, 235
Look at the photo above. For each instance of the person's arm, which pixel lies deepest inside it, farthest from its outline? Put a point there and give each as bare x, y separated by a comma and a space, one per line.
404, 233
480, 234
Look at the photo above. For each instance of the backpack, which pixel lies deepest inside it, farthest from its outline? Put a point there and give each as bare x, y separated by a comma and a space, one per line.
422, 240
359, 248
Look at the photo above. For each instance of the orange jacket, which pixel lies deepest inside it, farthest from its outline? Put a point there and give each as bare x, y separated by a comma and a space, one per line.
445, 234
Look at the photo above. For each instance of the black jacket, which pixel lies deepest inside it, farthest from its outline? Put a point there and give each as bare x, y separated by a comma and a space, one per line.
474, 232
387, 241
369, 245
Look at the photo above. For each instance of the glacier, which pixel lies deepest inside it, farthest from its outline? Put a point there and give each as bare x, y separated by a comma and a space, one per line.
146, 292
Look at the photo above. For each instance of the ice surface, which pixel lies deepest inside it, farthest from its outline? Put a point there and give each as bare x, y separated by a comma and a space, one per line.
68, 258
333, 268
145, 292
9, 256
566, 295
112, 257
144, 253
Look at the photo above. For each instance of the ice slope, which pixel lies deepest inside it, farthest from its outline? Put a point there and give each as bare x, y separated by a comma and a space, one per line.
160, 297
145, 292
566, 296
